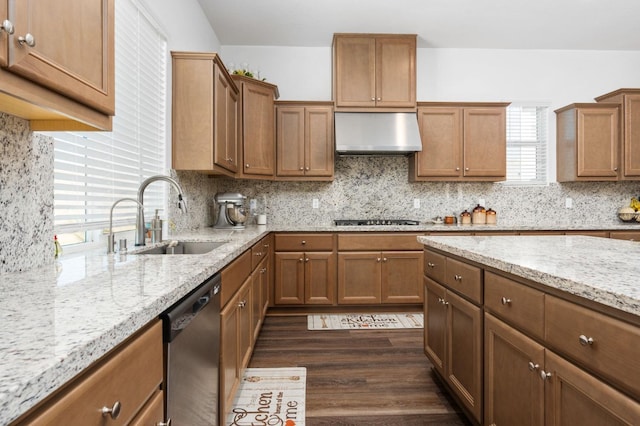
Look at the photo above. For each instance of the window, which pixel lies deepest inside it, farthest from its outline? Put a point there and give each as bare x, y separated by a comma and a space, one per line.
527, 144
94, 169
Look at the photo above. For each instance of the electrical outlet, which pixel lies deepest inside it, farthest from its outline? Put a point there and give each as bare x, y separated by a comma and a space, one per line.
416, 203
568, 203
316, 203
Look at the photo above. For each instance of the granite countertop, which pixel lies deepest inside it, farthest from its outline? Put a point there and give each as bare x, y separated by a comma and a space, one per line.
599, 269
60, 318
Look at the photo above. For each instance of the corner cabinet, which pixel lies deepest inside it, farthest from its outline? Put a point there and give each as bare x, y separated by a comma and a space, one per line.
204, 116
374, 71
460, 142
304, 141
56, 67
588, 142
256, 127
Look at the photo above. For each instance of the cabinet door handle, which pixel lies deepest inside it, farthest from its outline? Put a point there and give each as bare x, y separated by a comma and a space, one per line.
306, 168
379, 259
306, 259
533, 367
7, 26
247, 165
27, 39
300, 260
242, 304
457, 277
384, 259
301, 168
113, 412
585, 341
544, 375
373, 99
431, 265
304, 242
466, 169
259, 253
505, 301
167, 423
457, 169
379, 99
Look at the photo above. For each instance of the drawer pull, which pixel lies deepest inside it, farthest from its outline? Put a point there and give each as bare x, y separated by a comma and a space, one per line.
442, 301
585, 341
242, 304
431, 265
113, 412
457, 277
304, 242
544, 375
505, 301
167, 423
533, 367
306, 259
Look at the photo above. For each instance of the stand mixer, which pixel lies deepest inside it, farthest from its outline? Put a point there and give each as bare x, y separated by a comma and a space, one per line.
231, 212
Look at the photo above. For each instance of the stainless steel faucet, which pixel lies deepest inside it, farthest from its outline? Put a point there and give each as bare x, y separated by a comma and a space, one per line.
111, 242
182, 204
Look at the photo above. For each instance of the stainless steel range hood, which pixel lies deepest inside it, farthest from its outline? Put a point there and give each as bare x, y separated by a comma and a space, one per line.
379, 133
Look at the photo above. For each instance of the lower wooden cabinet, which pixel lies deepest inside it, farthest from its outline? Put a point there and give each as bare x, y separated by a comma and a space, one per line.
305, 278
455, 348
131, 376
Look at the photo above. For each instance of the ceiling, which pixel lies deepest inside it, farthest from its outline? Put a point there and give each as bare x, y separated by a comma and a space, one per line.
494, 24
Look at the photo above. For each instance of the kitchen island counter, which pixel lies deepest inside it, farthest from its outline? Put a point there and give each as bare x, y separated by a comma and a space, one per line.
600, 270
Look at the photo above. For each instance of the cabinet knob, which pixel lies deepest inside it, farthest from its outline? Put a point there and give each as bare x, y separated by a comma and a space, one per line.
457, 277
247, 165
505, 301
585, 341
373, 99
301, 168
306, 259
457, 169
379, 259
7, 26
615, 169
384, 259
113, 412
379, 99
466, 169
533, 367
242, 304
431, 265
27, 39
306, 168
259, 253
167, 423
544, 375
304, 242
300, 260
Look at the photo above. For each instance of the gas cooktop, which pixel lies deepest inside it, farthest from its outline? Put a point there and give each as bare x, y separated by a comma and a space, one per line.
370, 222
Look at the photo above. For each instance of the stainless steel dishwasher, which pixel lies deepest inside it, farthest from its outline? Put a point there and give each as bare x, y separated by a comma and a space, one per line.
192, 349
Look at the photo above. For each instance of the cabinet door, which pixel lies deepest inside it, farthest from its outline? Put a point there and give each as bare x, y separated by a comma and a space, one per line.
289, 278
441, 134
222, 118
573, 397
354, 71
229, 357
485, 142
73, 52
318, 141
231, 147
597, 142
514, 391
435, 323
401, 279
245, 329
258, 131
396, 72
290, 137
632, 135
256, 303
359, 278
4, 37
463, 364
320, 278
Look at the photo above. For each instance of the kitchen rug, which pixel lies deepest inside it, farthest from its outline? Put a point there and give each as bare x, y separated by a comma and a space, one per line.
364, 321
270, 396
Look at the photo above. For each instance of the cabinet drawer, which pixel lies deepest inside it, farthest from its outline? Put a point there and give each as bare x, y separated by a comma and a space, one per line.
234, 275
131, 376
259, 251
463, 278
152, 413
613, 352
382, 242
304, 242
434, 265
515, 303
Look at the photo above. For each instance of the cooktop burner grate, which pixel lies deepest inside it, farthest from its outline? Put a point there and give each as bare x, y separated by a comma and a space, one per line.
370, 222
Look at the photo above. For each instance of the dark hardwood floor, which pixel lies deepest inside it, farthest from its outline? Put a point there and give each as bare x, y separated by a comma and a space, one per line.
358, 377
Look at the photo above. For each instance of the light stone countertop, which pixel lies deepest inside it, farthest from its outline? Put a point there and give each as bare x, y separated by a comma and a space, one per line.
599, 269
59, 319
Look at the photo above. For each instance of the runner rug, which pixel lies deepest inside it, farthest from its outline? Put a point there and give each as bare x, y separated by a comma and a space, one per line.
270, 396
364, 321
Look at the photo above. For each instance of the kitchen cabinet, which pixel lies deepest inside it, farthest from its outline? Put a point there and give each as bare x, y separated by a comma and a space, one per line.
460, 142
629, 102
588, 142
50, 75
379, 269
256, 124
374, 71
204, 120
625, 235
305, 269
304, 141
131, 375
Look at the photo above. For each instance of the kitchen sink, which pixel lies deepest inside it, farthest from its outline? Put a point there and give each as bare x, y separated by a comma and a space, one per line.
184, 247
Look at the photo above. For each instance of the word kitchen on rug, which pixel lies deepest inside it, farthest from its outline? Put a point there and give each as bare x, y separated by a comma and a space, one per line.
270, 396
364, 321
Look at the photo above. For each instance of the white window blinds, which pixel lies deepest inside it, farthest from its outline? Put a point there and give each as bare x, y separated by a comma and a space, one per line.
94, 169
527, 144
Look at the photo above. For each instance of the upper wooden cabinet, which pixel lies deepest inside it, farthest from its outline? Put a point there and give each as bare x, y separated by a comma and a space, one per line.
629, 101
461, 142
256, 127
57, 67
304, 141
374, 70
588, 142
205, 126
